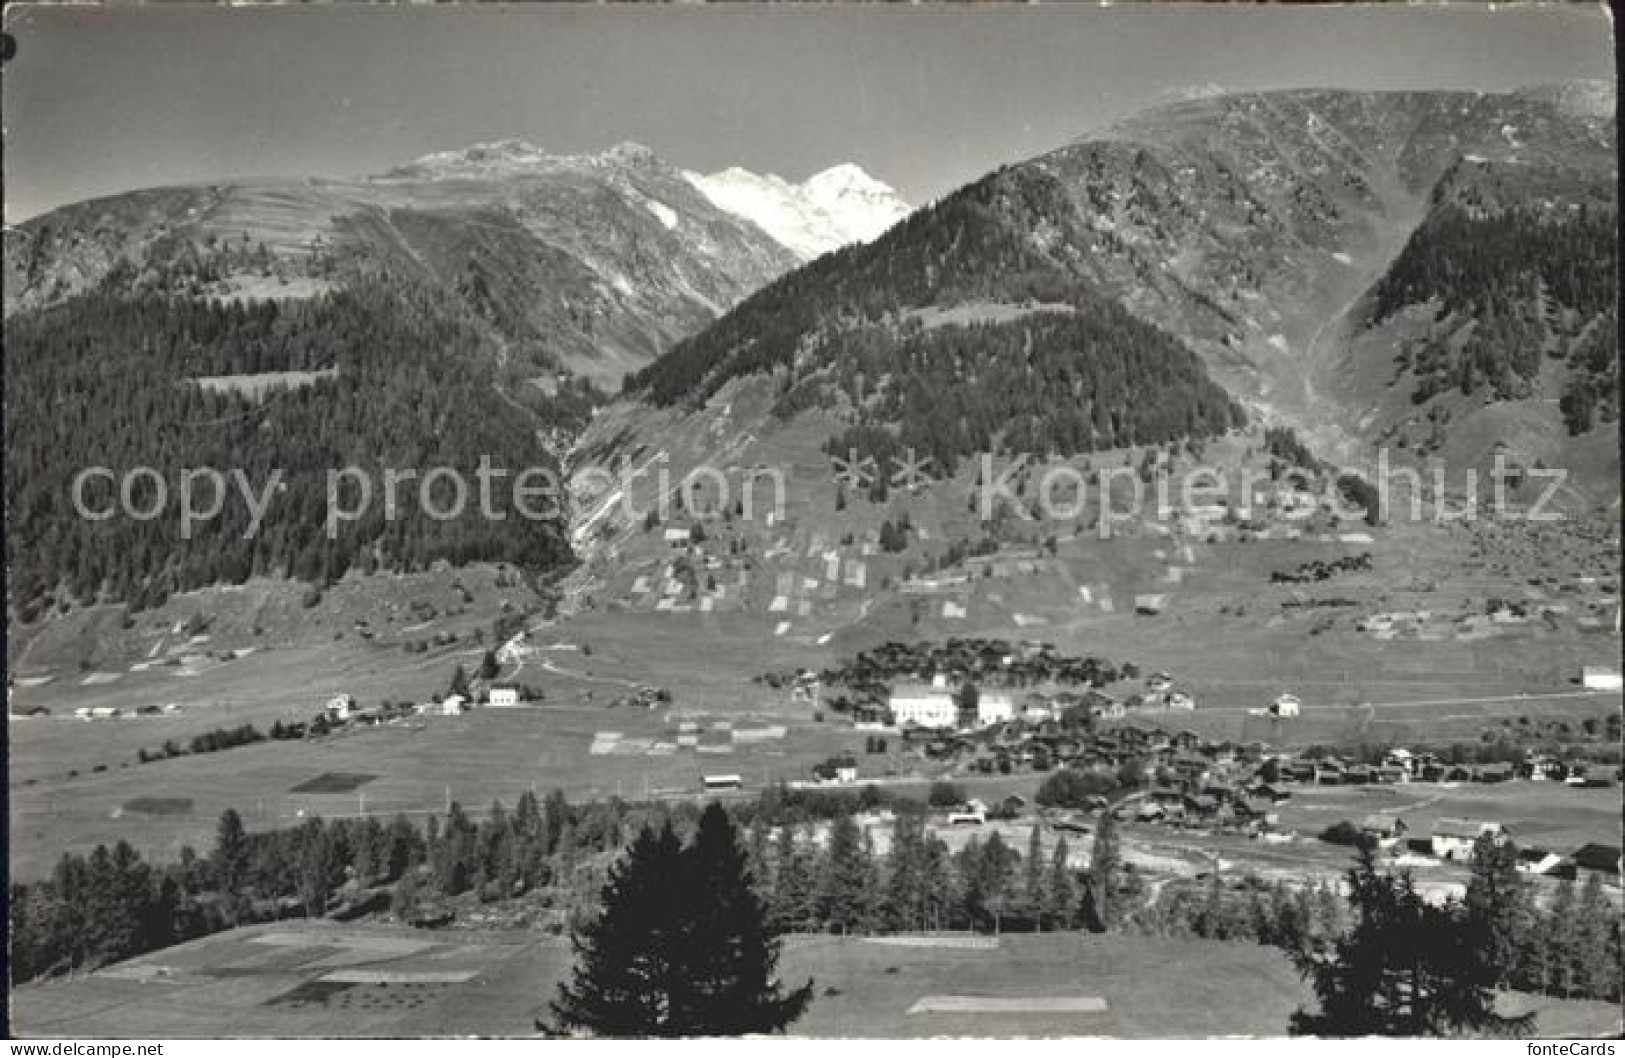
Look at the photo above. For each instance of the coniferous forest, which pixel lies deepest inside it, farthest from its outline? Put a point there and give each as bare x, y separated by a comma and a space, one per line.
1077, 373
398, 380
1535, 286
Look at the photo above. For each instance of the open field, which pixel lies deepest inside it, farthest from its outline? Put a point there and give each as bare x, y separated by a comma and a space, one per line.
294, 979
1227, 635
420, 764
256, 386
1542, 814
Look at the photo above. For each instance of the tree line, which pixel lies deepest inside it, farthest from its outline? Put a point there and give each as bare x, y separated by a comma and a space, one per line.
112, 905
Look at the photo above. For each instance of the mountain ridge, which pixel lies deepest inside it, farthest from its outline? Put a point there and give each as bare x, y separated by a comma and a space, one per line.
588, 264
1252, 226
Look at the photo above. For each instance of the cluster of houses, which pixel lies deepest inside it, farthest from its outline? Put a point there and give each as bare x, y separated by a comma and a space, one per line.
1400, 765
344, 709
1177, 777
941, 705
1453, 840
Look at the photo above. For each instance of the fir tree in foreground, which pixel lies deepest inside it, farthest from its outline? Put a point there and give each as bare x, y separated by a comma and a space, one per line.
1406, 968
682, 946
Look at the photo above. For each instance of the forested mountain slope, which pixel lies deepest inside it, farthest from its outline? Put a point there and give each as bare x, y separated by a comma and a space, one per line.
1267, 233
589, 264
381, 375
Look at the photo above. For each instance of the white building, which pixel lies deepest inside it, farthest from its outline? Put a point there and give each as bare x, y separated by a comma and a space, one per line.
1036, 712
921, 706
1599, 678
504, 696
994, 707
340, 707
1286, 705
1181, 700
453, 705
1453, 838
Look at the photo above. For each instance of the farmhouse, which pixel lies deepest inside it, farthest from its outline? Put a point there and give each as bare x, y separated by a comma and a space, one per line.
1385, 828
1600, 678
1181, 700
1602, 860
341, 707
454, 705
504, 695
994, 707
838, 769
1285, 705
1537, 861
722, 782
922, 706
1453, 838
676, 538
1037, 708
1149, 605
1398, 757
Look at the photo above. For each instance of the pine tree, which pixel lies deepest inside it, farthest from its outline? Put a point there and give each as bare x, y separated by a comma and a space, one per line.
1035, 886
726, 953
1406, 968
903, 902
625, 971
1596, 943
1498, 900
795, 883
757, 861
1555, 948
1105, 869
681, 946
847, 886
315, 867
1061, 895
230, 855
940, 895
986, 869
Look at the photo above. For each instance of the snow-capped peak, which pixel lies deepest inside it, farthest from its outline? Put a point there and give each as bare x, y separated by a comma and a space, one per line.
841, 205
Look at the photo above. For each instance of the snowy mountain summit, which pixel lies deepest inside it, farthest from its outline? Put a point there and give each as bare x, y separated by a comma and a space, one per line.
830, 209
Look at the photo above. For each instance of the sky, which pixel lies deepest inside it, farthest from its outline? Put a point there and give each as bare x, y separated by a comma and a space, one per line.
925, 98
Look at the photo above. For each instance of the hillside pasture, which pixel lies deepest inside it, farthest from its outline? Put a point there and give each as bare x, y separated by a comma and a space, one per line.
258, 386
325, 980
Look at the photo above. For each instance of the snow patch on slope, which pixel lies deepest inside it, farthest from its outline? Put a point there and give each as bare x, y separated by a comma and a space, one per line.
665, 213
838, 206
